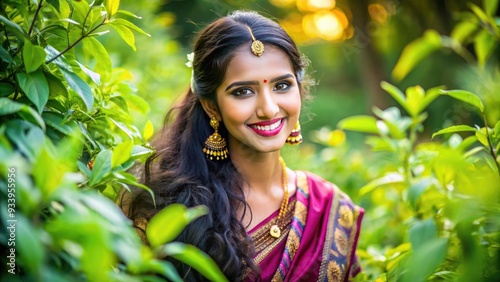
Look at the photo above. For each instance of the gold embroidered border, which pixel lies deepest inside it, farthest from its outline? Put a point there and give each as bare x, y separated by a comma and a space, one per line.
329, 235
354, 231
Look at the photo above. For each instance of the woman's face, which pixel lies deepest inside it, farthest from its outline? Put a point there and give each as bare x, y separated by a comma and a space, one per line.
259, 100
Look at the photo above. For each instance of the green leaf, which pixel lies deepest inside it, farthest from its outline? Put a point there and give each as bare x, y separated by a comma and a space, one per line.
496, 130
130, 25
465, 96
126, 34
490, 7
484, 44
56, 87
390, 178
430, 96
415, 51
148, 130
176, 217
479, 12
482, 137
61, 61
56, 121
466, 143
112, 6
48, 171
121, 153
35, 87
93, 47
141, 153
8, 107
54, 3
421, 232
15, 28
161, 267
6, 89
463, 30
454, 128
96, 78
101, 168
128, 13
30, 245
33, 56
195, 258
395, 93
414, 97
417, 188
366, 124
80, 87
426, 259
5, 56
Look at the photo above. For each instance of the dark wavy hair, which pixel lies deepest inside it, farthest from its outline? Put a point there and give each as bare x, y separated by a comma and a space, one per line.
179, 172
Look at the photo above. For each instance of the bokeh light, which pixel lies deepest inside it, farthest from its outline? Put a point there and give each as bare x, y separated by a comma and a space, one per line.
323, 24
315, 5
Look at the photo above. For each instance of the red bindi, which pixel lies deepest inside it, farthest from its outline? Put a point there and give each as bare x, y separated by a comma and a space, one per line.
265, 80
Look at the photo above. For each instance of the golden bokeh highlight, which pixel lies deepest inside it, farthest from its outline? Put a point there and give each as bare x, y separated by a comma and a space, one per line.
378, 13
316, 20
315, 5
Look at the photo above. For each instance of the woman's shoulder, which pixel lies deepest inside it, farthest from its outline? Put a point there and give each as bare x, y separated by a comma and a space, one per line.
320, 187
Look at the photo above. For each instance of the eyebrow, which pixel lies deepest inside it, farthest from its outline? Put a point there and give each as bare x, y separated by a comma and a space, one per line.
255, 82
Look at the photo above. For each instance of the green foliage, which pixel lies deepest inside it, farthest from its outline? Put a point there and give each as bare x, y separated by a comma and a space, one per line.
67, 141
432, 207
443, 197
433, 211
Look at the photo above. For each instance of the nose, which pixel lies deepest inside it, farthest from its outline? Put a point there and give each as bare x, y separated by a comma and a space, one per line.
267, 107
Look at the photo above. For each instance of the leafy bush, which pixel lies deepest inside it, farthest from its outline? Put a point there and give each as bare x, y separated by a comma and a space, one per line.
433, 213
67, 142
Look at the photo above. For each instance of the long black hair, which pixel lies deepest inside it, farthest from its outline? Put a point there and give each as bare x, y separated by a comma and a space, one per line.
179, 172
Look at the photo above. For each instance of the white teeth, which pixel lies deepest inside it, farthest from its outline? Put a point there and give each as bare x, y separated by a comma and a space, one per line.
268, 127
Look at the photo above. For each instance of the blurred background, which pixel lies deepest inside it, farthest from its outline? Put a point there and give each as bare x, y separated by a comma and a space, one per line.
352, 46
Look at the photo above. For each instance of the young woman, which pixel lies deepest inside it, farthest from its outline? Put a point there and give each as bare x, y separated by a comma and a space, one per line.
222, 150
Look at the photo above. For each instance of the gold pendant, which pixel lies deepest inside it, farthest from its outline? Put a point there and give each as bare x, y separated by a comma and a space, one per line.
275, 231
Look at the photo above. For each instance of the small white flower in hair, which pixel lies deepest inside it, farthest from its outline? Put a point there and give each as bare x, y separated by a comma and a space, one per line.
190, 57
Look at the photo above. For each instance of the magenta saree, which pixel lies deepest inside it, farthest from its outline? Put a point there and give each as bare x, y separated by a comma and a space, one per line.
320, 240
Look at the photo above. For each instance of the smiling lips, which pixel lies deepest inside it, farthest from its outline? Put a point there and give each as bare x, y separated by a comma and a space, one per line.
267, 128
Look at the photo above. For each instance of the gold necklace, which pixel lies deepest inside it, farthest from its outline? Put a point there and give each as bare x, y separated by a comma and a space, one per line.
275, 230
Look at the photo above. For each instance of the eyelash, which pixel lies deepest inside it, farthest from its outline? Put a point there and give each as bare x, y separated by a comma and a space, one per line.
285, 88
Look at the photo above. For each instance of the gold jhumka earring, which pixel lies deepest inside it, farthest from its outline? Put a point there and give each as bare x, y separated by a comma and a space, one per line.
257, 45
215, 145
295, 137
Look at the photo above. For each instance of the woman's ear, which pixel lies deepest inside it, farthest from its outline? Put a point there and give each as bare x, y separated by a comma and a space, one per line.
210, 108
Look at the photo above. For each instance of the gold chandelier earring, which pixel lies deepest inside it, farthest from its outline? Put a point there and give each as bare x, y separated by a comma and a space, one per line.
215, 145
295, 137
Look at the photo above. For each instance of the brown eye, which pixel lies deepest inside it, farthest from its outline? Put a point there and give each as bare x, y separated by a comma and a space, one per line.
281, 86
241, 92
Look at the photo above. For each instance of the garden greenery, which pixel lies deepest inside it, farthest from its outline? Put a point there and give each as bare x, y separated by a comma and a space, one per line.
435, 211
67, 141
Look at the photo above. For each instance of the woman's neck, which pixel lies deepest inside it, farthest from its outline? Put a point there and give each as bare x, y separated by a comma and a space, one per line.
261, 172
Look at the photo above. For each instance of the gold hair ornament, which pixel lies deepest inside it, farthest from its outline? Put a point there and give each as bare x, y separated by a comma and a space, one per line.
257, 45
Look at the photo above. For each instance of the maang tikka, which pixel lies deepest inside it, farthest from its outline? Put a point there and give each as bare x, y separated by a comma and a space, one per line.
295, 137
257, 45
215, 145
